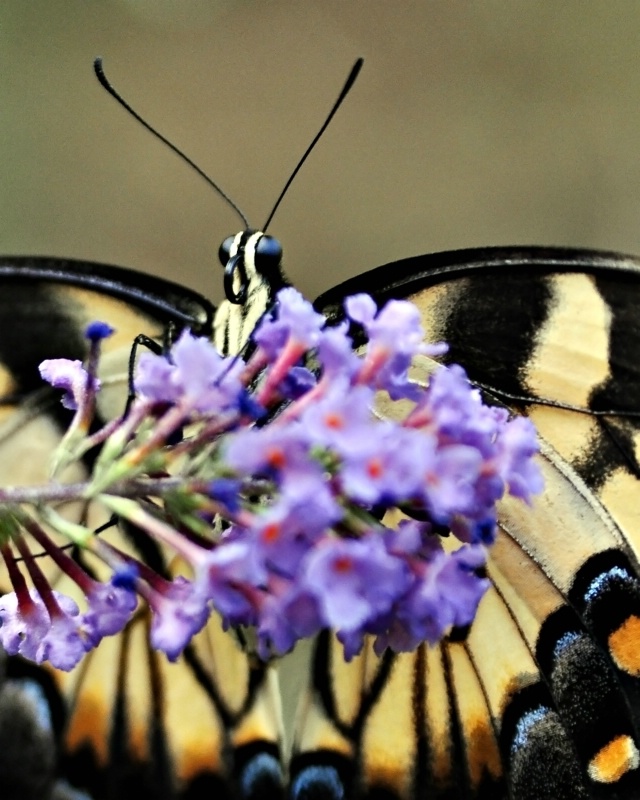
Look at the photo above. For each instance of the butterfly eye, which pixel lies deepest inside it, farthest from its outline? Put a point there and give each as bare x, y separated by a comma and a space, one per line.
224, 252
268, 255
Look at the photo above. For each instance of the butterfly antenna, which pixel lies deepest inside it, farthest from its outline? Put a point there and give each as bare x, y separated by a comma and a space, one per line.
97, 66
345, 91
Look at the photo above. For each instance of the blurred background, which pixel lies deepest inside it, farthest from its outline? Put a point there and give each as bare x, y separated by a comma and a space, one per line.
471, 124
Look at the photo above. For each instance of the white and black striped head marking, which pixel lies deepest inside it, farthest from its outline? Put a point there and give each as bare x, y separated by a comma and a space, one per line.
252, 277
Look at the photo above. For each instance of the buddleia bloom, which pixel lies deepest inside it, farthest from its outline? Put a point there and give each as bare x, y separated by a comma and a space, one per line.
288, 504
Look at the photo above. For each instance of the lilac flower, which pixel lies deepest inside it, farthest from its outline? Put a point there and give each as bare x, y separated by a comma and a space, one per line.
23, 624
286, 616
293, 319
516, 447
71, 376
197, 376
226, 576
450, 406
111, 606
29, 630
63, 646
449, 487
342, 418
395, 328
301, 472
335, 354
226, 491
412, 538
208, 380
395, 336
310, 502
279, 541
447, 593
267, 451
153, 379
95, 331
387, 467
297, 383
178, 613
353, 581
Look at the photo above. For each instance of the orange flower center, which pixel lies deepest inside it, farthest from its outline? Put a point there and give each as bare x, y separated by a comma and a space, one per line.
343, 564
276, 458
271, 532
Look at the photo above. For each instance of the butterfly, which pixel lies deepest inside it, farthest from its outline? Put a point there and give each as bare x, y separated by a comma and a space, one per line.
538, 699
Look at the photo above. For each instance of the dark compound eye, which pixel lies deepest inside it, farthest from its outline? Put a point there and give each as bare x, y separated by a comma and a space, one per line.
268, 255
224, 251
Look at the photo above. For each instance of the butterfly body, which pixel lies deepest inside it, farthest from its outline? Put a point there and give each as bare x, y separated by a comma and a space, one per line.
252, 277
540, 698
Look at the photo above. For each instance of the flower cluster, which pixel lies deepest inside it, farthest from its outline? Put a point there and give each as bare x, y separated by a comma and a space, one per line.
277, 487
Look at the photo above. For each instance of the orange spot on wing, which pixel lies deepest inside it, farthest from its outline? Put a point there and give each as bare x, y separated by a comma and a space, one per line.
624, 645
614, 760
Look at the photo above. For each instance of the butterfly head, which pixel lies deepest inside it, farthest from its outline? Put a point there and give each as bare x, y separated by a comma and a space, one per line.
250, 258
252, 276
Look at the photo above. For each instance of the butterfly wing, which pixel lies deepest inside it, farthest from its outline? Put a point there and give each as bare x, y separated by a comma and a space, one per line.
130, 723
540, 698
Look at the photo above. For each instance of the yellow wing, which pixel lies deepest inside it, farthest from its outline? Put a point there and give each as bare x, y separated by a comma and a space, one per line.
540, 698
130, 723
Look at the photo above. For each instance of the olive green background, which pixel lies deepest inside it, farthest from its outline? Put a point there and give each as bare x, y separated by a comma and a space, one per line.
471, 124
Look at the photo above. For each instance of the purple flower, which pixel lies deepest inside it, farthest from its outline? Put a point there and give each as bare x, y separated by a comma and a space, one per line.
293, 319
361, 308
301, 468
209, 381
395, 336
95, 331
395, 328
267, 451
450, 406
354, 581
196, 375
450, 484
286, 531
153, 379
342, 418
226, 491
178, 613
30, 631
226, 576
298, 381
63, 646
310, 503
517, 444
388, 466
412, 538
447, 593
286, 617
335, 353
23, 624
110, 608
71, 376
125, 576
